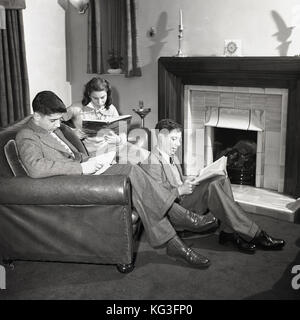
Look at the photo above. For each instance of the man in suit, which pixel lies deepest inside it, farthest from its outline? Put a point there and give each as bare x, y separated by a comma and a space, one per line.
212, 194
46, 150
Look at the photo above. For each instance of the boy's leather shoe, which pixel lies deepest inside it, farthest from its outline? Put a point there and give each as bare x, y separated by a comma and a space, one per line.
178, 250
195, 223
266, 242
239, 242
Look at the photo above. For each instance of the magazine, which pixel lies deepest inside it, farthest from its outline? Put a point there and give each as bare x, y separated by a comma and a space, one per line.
217, 168
93, 126
107, 159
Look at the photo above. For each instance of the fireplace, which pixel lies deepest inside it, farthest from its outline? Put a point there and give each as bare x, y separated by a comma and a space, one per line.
240, 148
246, 112
248, 78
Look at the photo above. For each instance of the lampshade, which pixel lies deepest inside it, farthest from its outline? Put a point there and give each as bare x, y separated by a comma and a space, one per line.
80, 5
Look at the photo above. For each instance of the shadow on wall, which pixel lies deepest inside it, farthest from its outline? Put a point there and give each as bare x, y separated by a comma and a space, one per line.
160, 33
157, 35
283, 33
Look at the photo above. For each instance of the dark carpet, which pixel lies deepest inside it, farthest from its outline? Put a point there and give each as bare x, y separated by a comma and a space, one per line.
232, 275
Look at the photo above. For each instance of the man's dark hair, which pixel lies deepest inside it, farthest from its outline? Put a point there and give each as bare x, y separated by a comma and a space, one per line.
47, 103
168, 124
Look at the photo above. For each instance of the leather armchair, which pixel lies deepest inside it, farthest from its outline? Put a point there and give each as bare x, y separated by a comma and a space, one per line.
84, 219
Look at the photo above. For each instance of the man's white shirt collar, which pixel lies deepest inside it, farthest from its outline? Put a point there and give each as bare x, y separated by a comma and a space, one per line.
165, 156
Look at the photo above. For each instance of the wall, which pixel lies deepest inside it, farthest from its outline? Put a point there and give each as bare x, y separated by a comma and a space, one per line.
206, 25
44, 25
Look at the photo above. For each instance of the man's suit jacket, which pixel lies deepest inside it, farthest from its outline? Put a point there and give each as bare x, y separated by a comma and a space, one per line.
219, 201
156, 166
44, 156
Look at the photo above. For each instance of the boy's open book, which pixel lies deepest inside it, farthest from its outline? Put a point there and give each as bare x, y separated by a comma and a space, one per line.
217, 168
91, 127
107, 159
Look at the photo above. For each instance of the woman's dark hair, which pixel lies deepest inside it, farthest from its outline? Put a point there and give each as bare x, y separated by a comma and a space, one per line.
97, 84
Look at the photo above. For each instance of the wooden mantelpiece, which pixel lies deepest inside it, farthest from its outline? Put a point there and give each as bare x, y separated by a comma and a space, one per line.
263, 72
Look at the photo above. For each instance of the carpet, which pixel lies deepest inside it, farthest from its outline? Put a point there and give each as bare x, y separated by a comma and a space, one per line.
232, 275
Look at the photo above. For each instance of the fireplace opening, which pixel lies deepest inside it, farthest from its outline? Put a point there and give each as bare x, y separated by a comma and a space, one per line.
240, 147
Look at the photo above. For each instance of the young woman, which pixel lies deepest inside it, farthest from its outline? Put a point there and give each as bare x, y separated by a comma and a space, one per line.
96, 104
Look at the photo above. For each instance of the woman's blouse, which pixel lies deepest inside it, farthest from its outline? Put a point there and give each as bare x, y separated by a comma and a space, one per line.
90, 112
77, 112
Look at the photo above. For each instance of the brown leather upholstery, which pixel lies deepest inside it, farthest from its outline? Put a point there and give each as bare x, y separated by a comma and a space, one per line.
12, 157
63, 218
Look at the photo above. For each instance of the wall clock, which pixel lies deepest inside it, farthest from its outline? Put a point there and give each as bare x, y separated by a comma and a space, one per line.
232, 48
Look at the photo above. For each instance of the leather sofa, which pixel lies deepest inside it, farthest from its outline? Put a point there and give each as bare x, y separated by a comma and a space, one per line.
86, 219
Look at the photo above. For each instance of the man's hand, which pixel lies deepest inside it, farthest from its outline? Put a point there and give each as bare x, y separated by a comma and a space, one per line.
187, 187
91, 166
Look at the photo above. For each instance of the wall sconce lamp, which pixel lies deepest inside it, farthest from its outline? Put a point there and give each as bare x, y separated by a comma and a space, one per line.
80, 5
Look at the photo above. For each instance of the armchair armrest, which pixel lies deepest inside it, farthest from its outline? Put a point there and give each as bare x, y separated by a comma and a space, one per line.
72, 190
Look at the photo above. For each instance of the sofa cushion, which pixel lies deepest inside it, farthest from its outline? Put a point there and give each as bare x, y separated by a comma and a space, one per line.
12, 157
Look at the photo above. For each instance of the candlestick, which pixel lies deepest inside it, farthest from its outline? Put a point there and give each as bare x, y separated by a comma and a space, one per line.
142, 112
180, 35
180, 19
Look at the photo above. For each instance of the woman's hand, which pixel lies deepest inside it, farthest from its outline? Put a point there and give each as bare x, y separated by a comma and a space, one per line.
112, 138
96, 139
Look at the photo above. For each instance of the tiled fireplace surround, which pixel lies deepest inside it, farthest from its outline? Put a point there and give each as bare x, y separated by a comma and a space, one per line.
260, 93
260, 109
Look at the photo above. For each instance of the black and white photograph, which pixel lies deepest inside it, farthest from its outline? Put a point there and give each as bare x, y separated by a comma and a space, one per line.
150, 153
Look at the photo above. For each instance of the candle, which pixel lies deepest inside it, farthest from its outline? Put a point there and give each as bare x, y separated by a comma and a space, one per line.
180, 19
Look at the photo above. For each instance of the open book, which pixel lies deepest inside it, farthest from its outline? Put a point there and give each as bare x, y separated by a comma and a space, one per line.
93, 126
101, 123
217, 168
117, 124
106, 158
